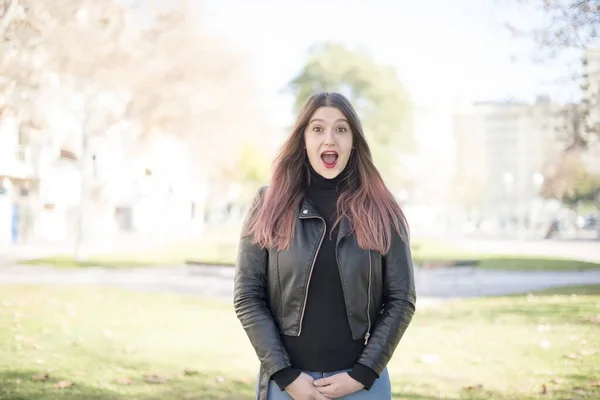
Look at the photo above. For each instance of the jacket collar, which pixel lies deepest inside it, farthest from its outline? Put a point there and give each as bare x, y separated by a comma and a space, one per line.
308, 210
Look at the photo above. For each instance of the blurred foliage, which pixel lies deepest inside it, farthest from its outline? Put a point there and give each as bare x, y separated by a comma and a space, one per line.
569, 181
251, 169
569, 27
567, 24
379, 97
109, 62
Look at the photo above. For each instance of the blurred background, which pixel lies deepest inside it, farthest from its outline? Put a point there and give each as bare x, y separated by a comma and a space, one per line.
123, 122
134, 134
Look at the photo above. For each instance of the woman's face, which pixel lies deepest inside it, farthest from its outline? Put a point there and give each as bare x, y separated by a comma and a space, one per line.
328, 141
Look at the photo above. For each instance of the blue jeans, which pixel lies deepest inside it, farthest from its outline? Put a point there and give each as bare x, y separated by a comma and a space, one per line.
381, 389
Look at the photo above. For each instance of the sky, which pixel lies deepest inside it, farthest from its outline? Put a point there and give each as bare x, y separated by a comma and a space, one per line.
445, 52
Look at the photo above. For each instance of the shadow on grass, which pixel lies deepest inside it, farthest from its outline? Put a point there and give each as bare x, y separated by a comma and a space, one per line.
201, 388
18, 385
575, 387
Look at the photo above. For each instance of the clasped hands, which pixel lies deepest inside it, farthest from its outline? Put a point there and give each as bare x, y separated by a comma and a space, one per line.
332, 387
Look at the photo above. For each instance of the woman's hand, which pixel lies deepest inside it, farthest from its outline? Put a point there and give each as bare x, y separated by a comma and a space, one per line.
303, 388
338, 385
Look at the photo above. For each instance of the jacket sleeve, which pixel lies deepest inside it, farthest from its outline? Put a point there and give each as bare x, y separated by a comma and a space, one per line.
398, 308
251, 307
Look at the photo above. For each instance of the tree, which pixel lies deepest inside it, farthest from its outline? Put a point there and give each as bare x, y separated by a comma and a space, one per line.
570, 181
106, 63
379, 97
570, 28
194, 87
567, 24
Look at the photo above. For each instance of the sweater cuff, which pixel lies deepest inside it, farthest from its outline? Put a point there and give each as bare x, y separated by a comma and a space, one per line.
285, 376
364, 375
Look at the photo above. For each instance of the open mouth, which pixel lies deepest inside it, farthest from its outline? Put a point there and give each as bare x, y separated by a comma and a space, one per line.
329, 158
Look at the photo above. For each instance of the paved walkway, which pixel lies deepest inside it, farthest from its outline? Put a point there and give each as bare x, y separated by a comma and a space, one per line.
217, 282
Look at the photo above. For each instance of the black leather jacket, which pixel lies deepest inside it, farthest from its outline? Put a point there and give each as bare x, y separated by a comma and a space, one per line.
270, 289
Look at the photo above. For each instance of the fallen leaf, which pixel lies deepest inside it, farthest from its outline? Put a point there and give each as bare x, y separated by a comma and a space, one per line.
190, 371
544, 390
579, 390
155, 379
124, 380
42, 377
243, 381
595, 384
63, 384
594, 320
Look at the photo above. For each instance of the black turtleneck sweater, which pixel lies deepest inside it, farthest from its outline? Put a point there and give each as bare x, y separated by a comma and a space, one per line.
326, 343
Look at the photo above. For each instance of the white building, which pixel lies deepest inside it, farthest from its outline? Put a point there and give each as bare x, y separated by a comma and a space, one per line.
501, 152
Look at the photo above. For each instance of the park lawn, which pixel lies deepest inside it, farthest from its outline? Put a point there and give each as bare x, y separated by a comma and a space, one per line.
169, 255
219, 251
109, 343
533, 263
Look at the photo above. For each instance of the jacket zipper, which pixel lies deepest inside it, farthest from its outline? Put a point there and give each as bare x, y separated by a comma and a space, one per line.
368, 334
311, 271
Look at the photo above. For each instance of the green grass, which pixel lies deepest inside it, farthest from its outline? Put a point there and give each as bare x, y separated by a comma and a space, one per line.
494, 348
582, 290
174, 254
220, 251
532, 263
439, 253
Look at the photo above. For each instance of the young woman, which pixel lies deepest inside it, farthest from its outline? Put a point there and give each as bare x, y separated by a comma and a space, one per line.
324, 284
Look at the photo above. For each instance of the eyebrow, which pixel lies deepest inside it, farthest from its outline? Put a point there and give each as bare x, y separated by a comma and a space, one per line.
322, 120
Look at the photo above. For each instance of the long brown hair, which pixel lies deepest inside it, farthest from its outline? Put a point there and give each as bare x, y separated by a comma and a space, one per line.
365, 200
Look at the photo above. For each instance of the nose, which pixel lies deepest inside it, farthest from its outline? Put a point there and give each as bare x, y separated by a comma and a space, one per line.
329, 138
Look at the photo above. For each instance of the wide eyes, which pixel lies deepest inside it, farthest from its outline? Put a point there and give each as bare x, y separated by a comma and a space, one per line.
339, 129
